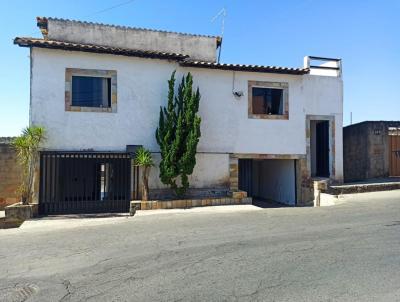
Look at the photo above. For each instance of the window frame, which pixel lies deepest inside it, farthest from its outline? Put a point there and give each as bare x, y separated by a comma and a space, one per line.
111, 74
273, 85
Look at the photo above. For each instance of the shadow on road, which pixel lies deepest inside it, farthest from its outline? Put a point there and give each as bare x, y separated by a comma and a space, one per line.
267, 203
80, 216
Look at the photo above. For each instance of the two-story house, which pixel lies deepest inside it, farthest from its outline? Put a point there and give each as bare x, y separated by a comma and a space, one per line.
97, 89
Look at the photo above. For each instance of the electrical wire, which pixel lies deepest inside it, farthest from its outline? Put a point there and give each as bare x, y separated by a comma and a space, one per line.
109, 8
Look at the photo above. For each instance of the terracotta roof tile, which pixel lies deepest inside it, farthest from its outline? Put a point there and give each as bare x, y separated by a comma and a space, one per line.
183, 60
44, 43
244, 67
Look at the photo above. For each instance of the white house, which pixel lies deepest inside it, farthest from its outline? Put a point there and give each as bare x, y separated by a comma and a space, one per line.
98, 88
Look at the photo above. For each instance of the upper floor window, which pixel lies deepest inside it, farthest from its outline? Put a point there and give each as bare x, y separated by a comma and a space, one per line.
90, 90
268, 100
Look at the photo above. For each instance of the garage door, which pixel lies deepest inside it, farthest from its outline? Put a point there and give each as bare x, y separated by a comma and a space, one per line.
81, 182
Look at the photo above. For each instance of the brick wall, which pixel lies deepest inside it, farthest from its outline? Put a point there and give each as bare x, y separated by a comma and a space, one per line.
10, 173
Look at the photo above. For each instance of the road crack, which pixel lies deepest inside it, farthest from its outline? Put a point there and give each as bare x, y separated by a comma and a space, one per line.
67, 284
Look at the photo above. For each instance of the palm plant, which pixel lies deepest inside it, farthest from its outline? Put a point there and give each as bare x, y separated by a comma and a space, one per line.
27, 146
144, 159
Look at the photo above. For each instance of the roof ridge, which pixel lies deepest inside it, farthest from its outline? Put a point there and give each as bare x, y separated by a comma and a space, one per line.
44, 19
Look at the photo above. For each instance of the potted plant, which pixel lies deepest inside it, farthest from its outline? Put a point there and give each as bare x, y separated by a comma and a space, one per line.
27, 147
144, 159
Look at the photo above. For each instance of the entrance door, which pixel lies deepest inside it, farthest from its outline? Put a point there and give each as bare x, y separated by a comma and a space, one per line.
394, 156
322, 149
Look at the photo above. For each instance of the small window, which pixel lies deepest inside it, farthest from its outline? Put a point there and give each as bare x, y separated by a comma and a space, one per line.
91, 91
268, 100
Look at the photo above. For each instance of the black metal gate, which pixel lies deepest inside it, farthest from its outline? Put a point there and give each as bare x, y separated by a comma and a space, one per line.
86, 182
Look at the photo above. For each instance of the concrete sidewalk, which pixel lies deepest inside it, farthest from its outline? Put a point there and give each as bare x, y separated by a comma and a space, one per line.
64, 222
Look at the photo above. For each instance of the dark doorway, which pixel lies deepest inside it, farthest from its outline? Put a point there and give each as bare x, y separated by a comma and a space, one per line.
246, 176
322, 148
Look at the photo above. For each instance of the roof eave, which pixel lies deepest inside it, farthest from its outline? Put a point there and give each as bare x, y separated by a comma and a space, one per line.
183, 60
22, 42
246, 68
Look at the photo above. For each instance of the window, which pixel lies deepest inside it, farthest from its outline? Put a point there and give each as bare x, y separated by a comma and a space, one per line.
268, 100
90, 90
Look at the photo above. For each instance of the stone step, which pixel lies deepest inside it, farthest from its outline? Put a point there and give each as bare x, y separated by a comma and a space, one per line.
186, 203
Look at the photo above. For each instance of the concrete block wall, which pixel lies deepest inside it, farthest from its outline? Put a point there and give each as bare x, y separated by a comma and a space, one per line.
10, 175
355, 155
366, 150
198, 47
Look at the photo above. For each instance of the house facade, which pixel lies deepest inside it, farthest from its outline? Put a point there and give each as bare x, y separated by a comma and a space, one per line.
98, 88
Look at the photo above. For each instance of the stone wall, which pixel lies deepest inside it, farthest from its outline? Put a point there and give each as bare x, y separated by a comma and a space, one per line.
366, 150
10, 173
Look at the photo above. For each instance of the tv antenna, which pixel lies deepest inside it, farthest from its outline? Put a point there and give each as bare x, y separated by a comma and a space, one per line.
222, 14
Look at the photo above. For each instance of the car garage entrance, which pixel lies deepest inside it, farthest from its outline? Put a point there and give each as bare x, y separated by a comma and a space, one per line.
86, 182
269, 179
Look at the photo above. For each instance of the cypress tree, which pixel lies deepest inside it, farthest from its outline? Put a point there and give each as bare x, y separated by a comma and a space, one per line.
178, 134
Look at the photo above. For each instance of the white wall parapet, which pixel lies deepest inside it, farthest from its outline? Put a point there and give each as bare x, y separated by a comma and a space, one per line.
323, 66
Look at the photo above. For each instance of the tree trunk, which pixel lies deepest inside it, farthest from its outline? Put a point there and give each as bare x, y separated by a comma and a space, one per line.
145, 183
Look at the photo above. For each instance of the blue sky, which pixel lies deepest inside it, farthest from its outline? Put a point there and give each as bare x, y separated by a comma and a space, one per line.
365, 34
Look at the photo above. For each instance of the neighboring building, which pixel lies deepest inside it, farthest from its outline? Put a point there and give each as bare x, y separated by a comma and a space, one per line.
10, 173
371, 149
98, 88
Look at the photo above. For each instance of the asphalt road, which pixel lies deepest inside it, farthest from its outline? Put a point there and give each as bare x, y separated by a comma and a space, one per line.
348, 252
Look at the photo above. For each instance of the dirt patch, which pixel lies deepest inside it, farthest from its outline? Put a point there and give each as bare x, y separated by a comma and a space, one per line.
9, 223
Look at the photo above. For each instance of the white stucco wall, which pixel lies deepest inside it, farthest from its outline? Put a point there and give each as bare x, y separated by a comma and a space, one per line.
211, 171
142, 89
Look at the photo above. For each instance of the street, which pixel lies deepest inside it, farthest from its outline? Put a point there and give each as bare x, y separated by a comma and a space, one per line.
347, 252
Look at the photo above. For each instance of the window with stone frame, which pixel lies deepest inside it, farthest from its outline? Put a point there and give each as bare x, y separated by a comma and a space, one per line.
90, 90
268, 100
